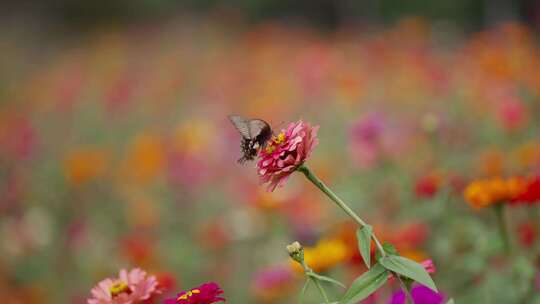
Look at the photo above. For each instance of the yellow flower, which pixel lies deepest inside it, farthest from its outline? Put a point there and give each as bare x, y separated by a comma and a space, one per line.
326, 254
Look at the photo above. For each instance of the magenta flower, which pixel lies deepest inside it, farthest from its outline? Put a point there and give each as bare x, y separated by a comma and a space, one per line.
129, 288
286, 152
420, 294
207, 293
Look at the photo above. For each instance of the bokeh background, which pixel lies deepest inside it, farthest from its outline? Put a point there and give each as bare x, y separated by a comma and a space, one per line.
115, 149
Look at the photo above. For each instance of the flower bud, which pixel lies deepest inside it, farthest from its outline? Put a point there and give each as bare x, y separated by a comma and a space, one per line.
296, 252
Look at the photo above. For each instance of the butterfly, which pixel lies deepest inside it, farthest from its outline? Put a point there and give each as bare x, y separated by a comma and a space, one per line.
255, 135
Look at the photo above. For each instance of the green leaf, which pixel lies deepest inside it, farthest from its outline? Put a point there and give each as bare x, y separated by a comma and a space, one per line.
451, 301
365, 285
388, 248
363, 236
325, 279
408, 268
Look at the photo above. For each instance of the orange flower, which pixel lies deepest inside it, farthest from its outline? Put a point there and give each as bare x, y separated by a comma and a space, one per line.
483, 193
84, 164
145, 158
528, 154
491, 162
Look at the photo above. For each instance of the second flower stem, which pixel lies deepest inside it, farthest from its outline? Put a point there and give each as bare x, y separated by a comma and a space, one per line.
341, 204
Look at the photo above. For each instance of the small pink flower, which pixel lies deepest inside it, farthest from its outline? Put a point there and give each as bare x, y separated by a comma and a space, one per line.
286, 152
129, 288
207, 293
429, 266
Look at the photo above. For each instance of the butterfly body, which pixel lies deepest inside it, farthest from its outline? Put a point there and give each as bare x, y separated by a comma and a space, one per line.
255, 135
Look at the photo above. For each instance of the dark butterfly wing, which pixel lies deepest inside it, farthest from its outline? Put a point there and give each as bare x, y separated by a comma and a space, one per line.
255, 134
257, 127
242, 125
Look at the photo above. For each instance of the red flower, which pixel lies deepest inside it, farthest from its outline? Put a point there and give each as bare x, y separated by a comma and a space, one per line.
531, 194
207, 293
427, 186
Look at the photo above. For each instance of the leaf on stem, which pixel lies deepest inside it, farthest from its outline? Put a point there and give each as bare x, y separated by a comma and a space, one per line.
408, 268
388, 248
325, 279
363, 236
365, 285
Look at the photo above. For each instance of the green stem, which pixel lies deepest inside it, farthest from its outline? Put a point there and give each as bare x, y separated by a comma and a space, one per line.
307, 272
322, 186
499, 212
405, 288
321, 290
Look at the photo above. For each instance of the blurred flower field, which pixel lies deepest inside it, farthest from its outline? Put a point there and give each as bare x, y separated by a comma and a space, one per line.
116, 152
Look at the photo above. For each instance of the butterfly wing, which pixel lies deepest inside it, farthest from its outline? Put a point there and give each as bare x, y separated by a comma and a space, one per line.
257, 127
242, 125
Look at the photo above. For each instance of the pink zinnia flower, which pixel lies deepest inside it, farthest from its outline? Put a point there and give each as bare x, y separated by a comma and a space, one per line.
207, 293
286, 152
129, 288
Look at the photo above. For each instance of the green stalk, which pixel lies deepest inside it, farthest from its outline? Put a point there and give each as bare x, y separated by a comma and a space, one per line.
341, 204
406, 288
307, 271
503, 231
321, 290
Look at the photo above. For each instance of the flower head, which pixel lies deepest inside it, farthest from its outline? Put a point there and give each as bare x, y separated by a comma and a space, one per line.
427, 186
530, 193
286, 152
296, 252
207, 293
483, 193
420, 294
129, 288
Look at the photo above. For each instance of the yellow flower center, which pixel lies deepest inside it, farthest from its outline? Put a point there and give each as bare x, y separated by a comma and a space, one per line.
277, 140
119, 288
280, 138
188, 294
